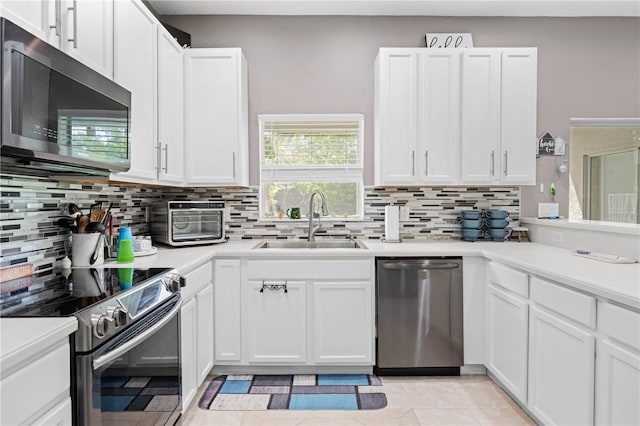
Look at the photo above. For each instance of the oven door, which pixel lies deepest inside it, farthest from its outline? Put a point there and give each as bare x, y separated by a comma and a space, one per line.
135, 378
197, 225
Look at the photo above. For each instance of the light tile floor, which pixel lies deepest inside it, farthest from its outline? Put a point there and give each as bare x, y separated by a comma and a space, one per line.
464, 400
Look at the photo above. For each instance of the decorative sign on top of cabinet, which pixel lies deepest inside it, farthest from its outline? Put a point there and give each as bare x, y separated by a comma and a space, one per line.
216, 112
452, 116
82, 29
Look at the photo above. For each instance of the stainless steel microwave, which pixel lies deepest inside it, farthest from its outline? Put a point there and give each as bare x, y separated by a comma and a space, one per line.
57, 113
187, 223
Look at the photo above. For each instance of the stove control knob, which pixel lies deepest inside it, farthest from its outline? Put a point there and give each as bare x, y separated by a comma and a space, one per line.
102, 324
119, 315
173, 282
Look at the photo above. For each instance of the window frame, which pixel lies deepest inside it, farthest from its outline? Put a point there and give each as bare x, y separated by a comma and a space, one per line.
322, 173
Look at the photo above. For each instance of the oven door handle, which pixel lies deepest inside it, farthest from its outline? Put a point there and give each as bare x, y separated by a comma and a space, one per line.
126, 347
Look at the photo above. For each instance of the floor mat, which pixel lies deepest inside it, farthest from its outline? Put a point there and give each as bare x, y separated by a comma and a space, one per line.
294, 392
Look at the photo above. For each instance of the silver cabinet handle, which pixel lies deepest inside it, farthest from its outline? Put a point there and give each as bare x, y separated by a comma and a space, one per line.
234, 165
158, 158
413, 163
506, 157
166, 158
58, 18
75, 23
126, 347
493, 168
426, 163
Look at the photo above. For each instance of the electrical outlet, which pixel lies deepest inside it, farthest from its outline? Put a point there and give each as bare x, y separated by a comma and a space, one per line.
404, 213
556, 236
483, 205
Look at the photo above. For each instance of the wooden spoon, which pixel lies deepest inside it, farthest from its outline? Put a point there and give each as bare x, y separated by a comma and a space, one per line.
83, 221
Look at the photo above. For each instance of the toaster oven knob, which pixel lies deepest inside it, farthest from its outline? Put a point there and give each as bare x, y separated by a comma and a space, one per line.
101, 324
118, 314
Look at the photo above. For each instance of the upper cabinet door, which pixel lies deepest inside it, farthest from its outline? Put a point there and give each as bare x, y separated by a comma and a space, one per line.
518, 125
88, 34
396, 116
170, 109
135, 47
37, 17
82, 29
216, 114
438, 158
481, 115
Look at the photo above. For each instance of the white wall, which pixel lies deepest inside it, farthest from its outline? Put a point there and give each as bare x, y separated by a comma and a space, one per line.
587, 67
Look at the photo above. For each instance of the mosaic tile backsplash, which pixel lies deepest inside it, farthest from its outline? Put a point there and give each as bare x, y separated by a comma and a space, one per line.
29, 206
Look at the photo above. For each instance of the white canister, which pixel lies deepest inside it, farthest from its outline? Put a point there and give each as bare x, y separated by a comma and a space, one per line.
84, 246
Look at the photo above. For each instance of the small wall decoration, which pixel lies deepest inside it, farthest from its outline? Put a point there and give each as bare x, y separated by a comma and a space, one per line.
550, 145
448, 40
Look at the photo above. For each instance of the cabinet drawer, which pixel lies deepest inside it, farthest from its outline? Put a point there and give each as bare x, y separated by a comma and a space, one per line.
511, 279
309, 269
620, 324
576, 306
42, 380
197, 280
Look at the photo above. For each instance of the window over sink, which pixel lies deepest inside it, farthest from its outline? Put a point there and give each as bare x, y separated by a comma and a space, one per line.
300, 153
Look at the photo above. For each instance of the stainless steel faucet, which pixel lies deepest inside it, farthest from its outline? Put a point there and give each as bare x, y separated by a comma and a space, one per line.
325, 212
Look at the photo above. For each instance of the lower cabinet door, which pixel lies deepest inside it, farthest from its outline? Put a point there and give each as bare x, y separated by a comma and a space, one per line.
204, 332
561, 370
618, 385
60, 415
507, 321
342, 323
226, 311
276, 322
188, 352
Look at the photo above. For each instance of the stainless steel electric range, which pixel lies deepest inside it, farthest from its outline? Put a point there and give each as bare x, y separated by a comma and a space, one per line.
125, 362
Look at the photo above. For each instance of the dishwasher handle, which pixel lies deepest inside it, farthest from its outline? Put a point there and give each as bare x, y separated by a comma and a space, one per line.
419, 265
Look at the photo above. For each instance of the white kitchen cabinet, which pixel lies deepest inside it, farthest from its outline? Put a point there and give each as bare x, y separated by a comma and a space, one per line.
499, 115
227, 311
82, 29
561, 353
188, 352
450, 116
617, 366
204, 332
417, 116
506, 333
170, 144
342, 322
197, 330
518, 136
43, 380
396, 116
276, 330
480, 131
216, 117
561, 370
135, 68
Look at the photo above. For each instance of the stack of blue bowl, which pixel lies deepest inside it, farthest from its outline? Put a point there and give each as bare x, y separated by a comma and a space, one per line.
496, 221
471, 222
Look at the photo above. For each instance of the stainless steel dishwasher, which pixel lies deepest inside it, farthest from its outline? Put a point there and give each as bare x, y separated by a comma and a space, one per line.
419, 315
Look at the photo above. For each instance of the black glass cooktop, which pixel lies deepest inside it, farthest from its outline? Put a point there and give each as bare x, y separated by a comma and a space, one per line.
61, 293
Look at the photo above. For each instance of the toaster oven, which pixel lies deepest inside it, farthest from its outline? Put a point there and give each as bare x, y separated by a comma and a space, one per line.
186, 223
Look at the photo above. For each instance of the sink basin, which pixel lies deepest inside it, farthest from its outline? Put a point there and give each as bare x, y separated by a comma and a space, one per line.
301, 244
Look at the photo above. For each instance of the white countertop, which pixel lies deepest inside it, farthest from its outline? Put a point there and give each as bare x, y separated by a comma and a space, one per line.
23, 337
616, 282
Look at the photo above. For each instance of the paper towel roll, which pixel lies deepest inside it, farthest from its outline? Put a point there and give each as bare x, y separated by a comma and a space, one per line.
392, 223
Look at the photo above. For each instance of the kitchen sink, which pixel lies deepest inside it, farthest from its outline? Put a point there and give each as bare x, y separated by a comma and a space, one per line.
301, 244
